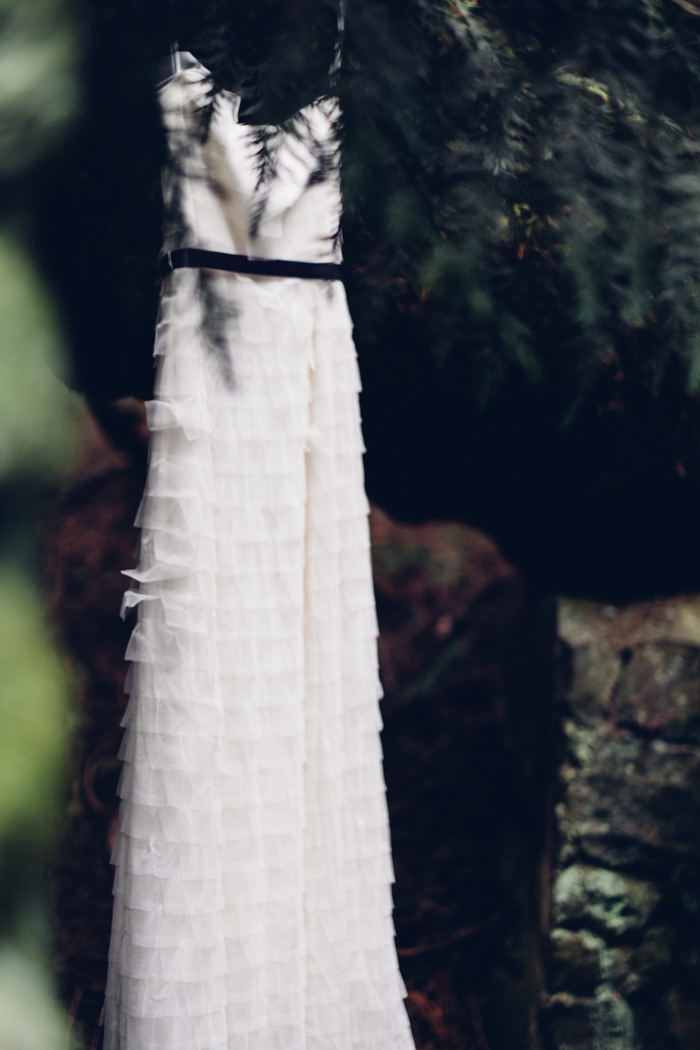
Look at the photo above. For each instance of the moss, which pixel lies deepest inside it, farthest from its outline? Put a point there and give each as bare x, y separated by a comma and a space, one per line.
615, 904
575, 961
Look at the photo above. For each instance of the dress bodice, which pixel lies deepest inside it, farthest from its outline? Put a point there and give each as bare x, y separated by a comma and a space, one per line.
260, 191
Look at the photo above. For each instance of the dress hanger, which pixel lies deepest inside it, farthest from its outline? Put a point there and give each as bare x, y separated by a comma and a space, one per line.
172, 65
334, 71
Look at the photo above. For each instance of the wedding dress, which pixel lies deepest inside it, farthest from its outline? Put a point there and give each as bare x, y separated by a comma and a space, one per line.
252, 898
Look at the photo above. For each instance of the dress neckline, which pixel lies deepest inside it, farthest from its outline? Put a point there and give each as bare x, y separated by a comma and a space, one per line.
187, 62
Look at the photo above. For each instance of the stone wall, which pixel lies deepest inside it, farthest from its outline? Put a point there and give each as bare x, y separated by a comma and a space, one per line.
623, 941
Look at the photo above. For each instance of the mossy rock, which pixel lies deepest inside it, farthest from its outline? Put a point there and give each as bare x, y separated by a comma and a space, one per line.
589, 897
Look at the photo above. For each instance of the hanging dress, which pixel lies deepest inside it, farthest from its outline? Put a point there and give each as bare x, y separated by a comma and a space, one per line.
252, 898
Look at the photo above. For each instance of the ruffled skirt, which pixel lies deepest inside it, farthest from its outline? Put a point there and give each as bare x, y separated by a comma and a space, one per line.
252, 899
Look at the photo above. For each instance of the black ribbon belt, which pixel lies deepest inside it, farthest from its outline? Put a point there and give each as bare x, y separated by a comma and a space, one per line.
200, 257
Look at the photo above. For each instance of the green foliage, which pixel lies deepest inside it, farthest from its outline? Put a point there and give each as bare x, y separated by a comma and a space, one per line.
37, 85
29, 1017
37, 95
532, 169
33, 713
34, 440
34, 408
33, 686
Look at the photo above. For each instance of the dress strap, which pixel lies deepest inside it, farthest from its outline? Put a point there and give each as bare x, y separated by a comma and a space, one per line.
208, 260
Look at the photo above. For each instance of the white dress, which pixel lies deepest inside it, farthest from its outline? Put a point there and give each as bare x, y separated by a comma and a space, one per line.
252, 901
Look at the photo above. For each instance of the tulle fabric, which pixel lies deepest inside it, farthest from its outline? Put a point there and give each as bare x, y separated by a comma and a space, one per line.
252, 898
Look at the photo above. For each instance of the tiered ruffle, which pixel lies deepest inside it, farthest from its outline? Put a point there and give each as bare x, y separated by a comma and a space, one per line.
253, 906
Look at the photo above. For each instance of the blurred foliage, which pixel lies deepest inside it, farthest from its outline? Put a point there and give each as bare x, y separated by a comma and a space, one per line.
34, 437
38, 88
30, 1018
33, 713
33, 710
531, 175
37, 96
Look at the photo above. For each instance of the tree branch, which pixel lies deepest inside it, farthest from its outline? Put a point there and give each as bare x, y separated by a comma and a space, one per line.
691, 8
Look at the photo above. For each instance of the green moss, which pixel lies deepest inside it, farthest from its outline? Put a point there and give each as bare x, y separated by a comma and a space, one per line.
605, 900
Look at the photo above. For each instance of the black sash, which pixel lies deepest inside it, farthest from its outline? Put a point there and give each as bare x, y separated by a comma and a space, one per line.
200, 257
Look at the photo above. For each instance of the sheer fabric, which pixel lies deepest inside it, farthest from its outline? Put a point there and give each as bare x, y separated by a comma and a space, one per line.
252, 899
